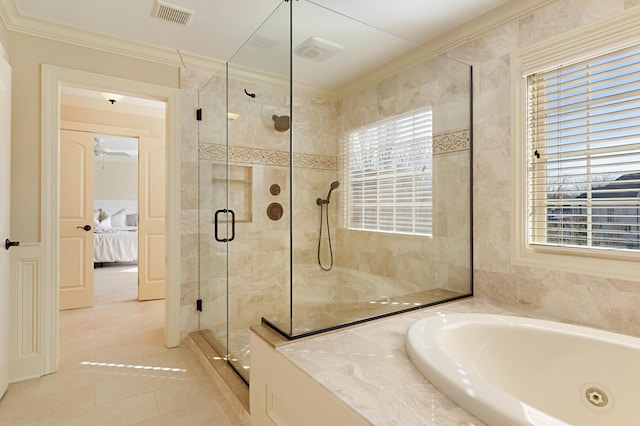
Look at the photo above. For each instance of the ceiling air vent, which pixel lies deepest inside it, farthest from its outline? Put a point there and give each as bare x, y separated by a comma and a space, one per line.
171, 13
317, 49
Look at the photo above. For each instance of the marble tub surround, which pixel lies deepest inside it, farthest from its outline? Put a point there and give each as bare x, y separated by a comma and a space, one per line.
367, 367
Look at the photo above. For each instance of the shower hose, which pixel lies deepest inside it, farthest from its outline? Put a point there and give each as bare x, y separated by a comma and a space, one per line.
328, 238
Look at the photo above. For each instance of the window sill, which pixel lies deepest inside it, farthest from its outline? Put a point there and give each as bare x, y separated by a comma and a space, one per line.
607, 264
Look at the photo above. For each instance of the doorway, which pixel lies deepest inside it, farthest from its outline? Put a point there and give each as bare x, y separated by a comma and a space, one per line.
112, 197
53, 78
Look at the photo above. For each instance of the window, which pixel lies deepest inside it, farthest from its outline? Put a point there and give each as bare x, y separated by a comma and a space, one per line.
575, 147
584, 153
388, 171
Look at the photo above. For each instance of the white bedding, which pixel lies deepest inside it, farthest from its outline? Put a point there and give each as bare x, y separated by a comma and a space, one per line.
115, 245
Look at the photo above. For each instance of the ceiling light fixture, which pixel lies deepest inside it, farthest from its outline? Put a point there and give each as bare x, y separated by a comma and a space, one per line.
111, 97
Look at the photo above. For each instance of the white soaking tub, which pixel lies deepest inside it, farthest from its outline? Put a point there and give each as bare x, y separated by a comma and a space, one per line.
509, 370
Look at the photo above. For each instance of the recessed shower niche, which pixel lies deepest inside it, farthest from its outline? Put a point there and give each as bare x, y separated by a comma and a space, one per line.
374, 170
236, 182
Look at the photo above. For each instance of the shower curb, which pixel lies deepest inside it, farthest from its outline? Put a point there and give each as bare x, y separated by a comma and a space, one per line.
235, 390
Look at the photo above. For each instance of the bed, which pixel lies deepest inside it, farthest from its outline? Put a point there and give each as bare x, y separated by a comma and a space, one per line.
115, 236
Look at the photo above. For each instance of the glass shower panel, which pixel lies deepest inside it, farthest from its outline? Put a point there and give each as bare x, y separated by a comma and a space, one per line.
381, 217
335, 170
258, 165
212, 196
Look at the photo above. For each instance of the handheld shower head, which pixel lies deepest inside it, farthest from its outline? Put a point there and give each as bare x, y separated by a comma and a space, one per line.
334, 185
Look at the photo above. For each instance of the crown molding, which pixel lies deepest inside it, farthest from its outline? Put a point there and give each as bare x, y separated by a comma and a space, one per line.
14, 21
470, 30
460, 35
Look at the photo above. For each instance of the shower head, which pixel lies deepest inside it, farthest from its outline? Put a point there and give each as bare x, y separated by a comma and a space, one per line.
334, 185
280, 123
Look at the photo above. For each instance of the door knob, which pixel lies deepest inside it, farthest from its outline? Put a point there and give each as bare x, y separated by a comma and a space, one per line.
86, 227
8, 244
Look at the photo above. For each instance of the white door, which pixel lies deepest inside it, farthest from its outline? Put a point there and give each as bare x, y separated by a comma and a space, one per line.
76, 219
151, 218
5, 195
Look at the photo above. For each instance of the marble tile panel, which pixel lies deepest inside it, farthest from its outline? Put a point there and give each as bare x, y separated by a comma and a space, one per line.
492, 165
496, 286
367, 368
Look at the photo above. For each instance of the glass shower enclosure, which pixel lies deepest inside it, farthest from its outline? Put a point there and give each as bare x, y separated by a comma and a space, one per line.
334, 180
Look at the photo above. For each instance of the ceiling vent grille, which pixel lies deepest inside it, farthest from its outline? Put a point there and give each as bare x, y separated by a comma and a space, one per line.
172, 13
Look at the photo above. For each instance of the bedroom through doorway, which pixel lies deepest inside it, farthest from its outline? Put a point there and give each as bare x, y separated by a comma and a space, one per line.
115, 207
112, 198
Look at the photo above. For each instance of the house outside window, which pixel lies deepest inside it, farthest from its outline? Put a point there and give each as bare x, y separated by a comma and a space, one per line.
584, 153
388, 171
576, 151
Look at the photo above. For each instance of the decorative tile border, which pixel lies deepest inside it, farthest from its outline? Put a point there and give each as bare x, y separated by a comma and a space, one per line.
452, 142
442, 144
245, 155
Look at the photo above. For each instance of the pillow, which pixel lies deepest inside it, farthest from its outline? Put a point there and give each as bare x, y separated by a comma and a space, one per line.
98, 214
104, 223
132, 219
119, 219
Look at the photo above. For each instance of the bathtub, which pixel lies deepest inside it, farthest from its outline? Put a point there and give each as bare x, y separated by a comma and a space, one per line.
509, 370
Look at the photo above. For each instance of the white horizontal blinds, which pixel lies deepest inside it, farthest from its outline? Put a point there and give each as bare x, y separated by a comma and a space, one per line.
389, 175
584, 153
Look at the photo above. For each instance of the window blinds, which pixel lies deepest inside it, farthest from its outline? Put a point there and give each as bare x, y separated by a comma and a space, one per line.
584, 153
388, 172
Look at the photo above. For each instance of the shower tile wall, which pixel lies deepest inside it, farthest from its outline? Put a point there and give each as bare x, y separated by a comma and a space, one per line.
388, 265
412, 264
190, 82
601, 302
259, 256
598, 301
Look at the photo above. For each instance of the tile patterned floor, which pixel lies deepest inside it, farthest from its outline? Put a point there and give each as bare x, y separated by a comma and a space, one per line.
115, 370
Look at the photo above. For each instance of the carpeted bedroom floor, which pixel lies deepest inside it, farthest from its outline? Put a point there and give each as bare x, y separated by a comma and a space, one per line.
115, 283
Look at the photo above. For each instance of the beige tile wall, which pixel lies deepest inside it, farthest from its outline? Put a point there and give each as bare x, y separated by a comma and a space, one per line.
600, 302
592, 300
259, 259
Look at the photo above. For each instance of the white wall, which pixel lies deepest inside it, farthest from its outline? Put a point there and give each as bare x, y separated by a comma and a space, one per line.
115, 180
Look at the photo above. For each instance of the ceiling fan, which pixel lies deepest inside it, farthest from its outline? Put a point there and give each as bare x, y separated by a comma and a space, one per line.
101, 151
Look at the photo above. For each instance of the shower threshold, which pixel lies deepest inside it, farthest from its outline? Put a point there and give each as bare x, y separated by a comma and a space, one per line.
234, 387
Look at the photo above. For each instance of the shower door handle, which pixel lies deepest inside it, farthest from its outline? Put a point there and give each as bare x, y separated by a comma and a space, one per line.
233, 226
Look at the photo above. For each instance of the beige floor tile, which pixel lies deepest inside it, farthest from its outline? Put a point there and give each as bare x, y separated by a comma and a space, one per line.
82, 418
127, 411
208, 414
185, 395
115, 370
128, 386
55, 404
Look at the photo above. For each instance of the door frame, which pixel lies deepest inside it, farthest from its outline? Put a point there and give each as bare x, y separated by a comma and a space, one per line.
52, 78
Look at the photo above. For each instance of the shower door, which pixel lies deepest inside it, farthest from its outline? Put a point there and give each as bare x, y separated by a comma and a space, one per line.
244, 192
212, 196
224, 202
